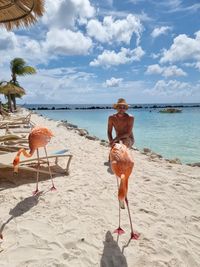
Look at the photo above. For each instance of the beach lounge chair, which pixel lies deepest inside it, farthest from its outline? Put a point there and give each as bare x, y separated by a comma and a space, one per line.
12, 147
17, 131
14, 117
11, 137
4, 114
11, 142
17, 121
6, 161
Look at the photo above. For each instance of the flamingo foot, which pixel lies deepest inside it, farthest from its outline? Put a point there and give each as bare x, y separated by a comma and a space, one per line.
53, 188
134, 236
35, 192
119, 231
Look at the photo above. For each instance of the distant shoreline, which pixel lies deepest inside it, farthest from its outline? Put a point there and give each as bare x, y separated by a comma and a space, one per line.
110, 107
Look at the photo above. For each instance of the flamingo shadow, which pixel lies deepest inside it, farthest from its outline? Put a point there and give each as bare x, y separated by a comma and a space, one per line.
22, 207
112, 255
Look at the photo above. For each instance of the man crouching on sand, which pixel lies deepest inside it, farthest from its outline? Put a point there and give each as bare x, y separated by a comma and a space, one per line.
122, 123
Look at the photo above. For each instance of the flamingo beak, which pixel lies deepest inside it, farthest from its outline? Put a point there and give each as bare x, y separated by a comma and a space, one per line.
15, 171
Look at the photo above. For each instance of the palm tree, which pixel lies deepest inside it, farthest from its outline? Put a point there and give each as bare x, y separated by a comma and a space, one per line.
8, 89
18, 67
6, 95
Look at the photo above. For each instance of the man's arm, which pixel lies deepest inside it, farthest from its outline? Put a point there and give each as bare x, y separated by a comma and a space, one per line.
109, 131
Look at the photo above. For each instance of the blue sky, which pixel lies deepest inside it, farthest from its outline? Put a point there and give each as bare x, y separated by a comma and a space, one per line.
98, 51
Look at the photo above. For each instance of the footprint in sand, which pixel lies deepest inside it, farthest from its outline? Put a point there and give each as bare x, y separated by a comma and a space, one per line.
149, 212
188, 259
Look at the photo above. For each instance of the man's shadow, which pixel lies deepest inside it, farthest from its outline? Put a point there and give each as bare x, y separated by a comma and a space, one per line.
22, 207
107, 163
112, 255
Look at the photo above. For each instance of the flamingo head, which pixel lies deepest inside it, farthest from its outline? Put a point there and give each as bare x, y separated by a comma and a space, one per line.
16, 164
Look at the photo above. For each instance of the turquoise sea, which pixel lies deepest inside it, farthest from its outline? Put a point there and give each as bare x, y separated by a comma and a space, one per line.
171, 135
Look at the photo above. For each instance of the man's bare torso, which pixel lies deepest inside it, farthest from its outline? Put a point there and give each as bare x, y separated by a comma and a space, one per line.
123, 125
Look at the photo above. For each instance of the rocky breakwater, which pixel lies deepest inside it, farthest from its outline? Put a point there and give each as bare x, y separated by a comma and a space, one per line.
82, 132
155, 156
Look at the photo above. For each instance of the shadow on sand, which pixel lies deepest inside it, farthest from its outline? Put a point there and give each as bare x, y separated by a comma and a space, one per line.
112, 255
22, 207
8, 180
107, 163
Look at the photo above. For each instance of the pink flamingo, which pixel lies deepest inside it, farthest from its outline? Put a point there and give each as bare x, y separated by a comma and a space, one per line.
39, 137
122, 166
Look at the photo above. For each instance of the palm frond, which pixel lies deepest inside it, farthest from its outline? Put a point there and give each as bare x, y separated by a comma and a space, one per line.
18, 67
28, 70
17, 63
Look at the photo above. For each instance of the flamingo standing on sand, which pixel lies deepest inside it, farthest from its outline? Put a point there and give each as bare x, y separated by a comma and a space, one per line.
122, 166
38, 137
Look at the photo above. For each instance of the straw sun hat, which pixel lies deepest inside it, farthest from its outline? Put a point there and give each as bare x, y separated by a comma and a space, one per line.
120, 102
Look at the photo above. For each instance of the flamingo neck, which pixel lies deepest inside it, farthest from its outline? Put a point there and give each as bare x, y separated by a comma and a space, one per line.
17, 158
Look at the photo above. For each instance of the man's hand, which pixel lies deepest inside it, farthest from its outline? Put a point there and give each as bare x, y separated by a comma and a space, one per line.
116, 140
111, 143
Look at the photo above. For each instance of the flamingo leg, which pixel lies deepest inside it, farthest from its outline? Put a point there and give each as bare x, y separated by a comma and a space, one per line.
37, 179
53, 187
119, 230
133, 235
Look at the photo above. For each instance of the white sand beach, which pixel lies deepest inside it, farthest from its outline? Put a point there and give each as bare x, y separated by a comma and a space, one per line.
74, 225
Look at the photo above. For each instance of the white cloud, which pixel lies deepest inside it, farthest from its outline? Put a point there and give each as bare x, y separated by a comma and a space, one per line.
173, 71
177, 7
189, 64
8, 40
193, 65
110, 31
169, 6
56, 85
64, 14
174, 88
173, 4
67, 42
113, 82
165, 71
109, 58
57, 42
159, 31
183, 48
154, 69
198, 65
13, 45
155, 56
136, 1
192, 8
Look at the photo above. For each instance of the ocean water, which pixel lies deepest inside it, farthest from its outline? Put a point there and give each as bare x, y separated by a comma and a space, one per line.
171, 135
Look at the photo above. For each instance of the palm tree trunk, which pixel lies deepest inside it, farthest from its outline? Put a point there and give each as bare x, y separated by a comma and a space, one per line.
10, 103
13, 98
14, 78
